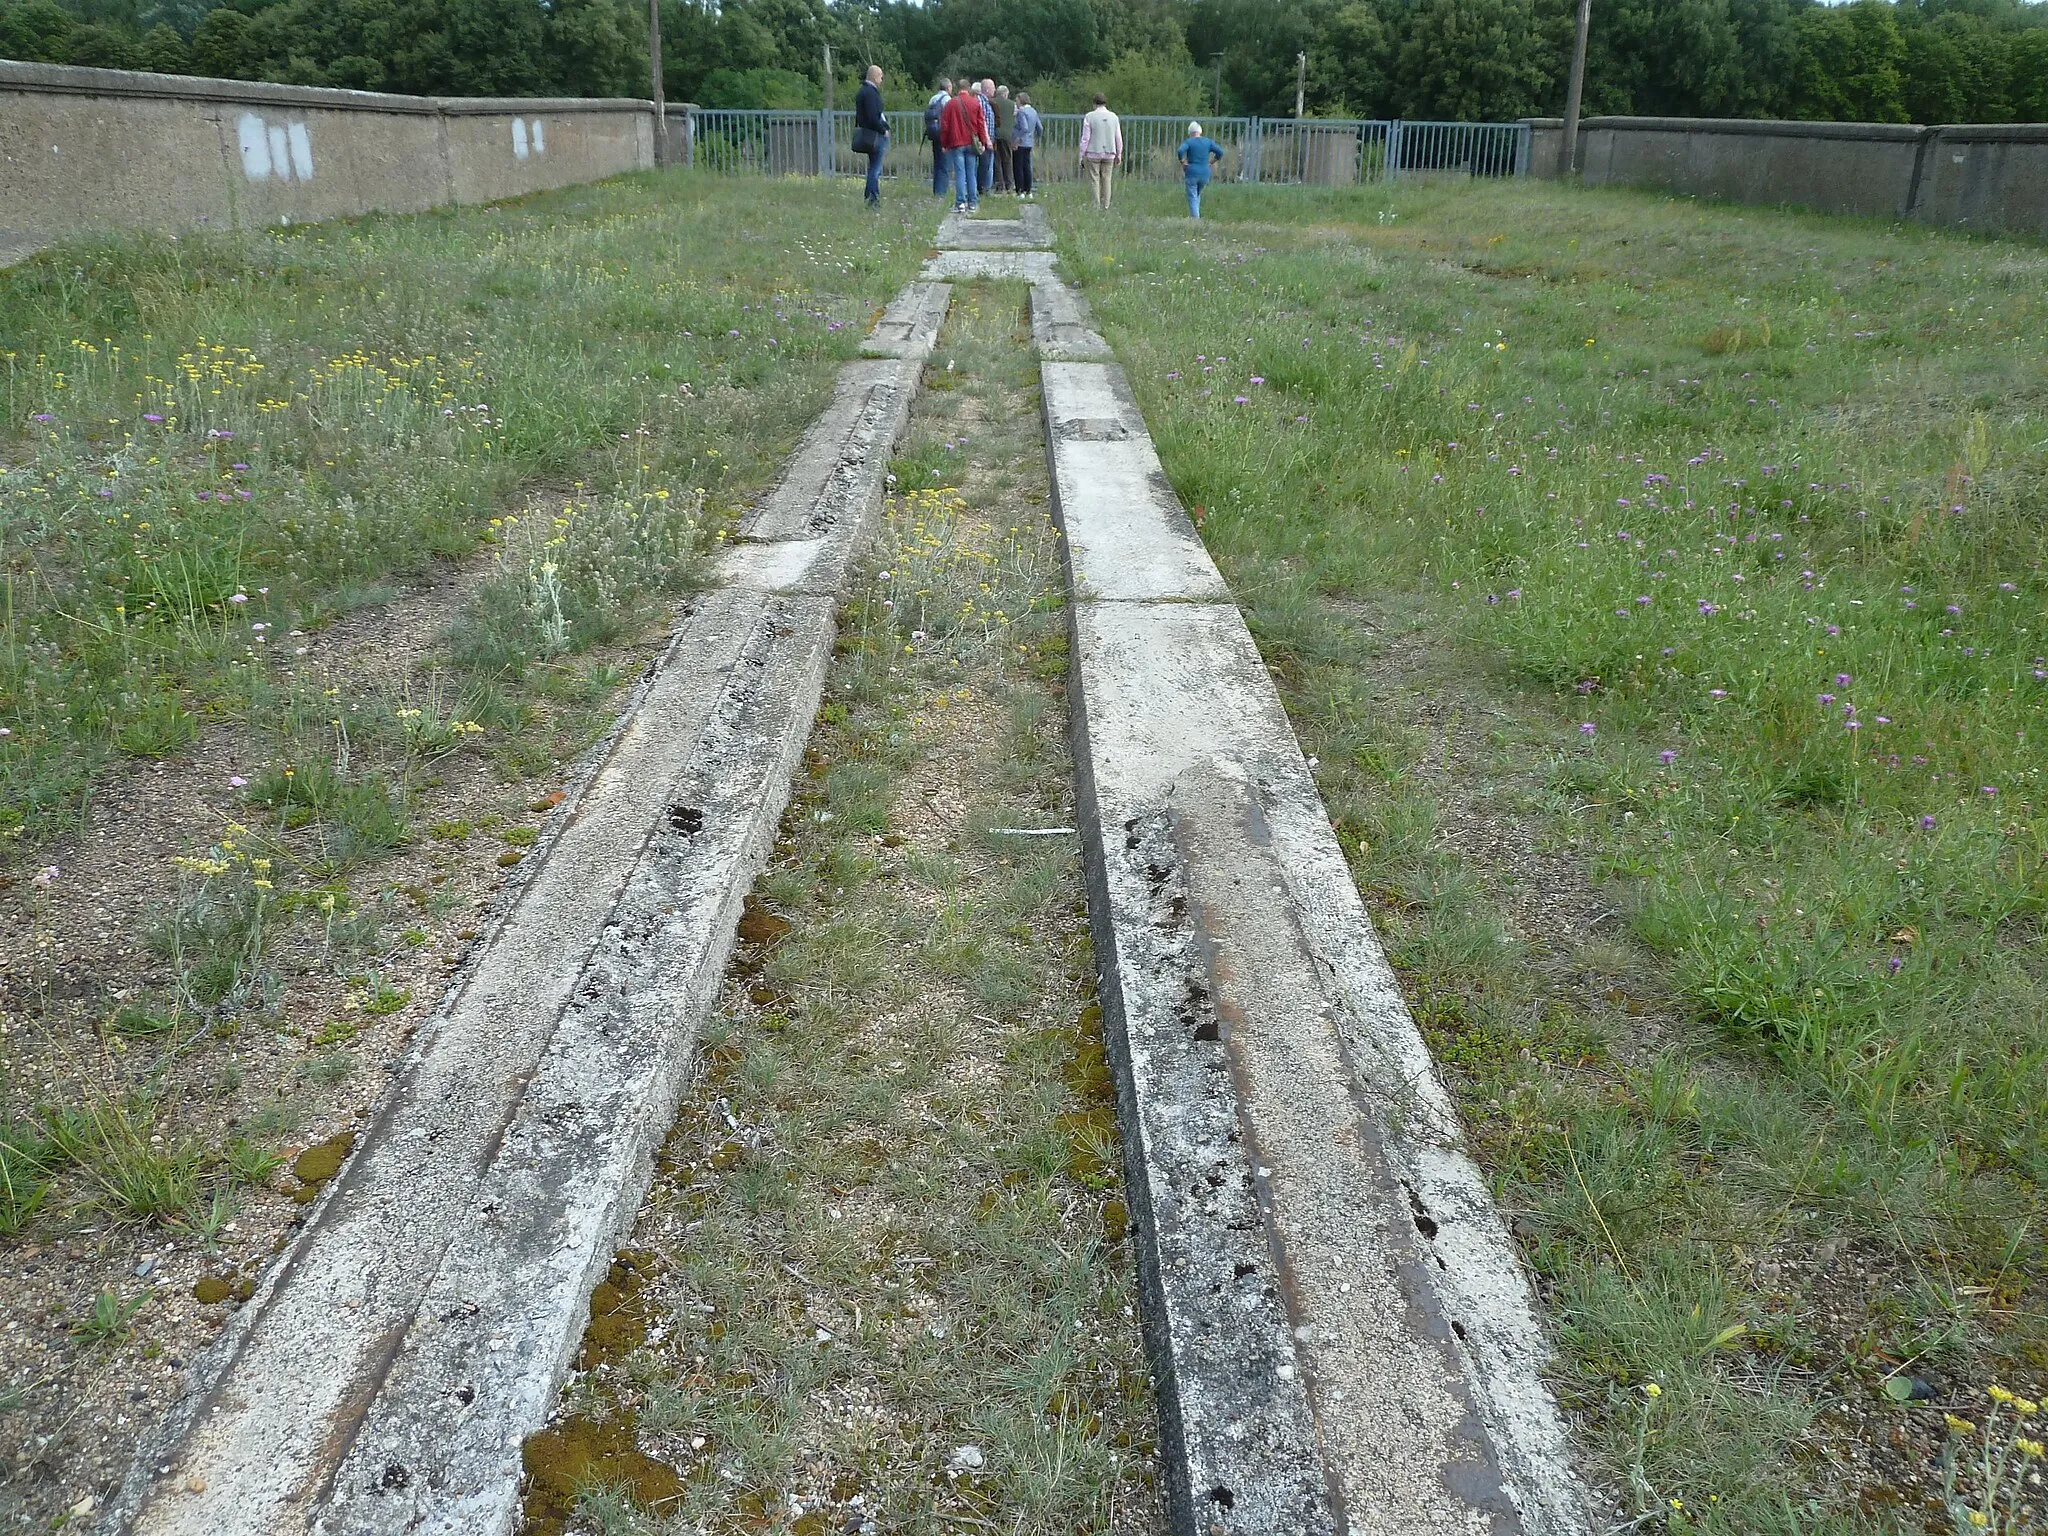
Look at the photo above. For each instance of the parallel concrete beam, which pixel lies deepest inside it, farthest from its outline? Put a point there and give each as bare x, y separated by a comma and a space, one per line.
1062, 328
1343, 1339
387, 1372
909, 326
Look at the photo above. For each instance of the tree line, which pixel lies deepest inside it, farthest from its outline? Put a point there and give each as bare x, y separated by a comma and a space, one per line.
1927, 61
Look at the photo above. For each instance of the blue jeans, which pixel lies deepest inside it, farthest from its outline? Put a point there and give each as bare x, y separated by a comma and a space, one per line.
1195, 196
987, 168
875, 172
942, 160
966, 177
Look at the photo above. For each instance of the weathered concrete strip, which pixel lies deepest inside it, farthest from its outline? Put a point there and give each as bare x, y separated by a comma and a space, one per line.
909, 326
1343, 1339
998, 265
385, 1375
1062, 328
958, 232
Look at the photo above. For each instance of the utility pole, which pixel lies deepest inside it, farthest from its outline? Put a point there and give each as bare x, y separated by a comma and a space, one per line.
1301, 80
828, 154
1216, 104
654, 69
1568, 149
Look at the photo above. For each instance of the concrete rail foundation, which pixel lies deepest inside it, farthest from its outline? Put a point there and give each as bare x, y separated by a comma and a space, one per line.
1342, 1337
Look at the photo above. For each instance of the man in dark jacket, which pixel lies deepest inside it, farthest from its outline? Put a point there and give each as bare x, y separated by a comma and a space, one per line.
871, 130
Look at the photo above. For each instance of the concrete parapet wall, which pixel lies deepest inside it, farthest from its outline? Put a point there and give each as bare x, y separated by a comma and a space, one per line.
1991, 177
90, 151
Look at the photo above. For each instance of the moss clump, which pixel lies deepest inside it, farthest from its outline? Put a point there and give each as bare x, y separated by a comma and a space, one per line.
582, 1453
618, 1317
317, 1164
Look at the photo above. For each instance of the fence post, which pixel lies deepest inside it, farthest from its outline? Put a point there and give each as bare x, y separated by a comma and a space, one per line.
1522, 133
1394, 150
1251, 135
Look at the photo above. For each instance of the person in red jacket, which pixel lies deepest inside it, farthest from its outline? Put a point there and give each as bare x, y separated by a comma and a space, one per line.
963, 134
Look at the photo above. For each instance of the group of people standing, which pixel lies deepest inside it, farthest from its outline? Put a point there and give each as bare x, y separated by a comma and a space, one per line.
983, 140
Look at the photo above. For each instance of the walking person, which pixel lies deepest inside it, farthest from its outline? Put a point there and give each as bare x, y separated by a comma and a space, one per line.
1006, 138
987, 165
1027, 141
933, 111
961, 134
1102, 146
871, 130
1199, 155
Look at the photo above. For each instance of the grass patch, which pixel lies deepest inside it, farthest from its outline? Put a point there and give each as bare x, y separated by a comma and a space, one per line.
1659, 587
211, 442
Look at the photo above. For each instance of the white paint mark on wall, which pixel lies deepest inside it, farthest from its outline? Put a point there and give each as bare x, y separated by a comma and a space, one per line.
271, 149
255, 146
540, 137
519, 138
529, 138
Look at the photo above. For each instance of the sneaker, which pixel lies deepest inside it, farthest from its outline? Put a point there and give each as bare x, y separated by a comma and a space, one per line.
959, 207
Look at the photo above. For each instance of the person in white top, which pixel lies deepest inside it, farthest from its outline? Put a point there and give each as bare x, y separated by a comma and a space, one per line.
1102, 146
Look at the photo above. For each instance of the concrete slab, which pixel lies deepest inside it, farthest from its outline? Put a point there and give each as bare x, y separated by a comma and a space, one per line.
1061, 327
909, 326
1343, 1338
999, 266
384, 1376
1127, 538
958, 232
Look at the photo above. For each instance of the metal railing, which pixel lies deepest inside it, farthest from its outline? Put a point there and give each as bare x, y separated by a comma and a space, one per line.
1307, 151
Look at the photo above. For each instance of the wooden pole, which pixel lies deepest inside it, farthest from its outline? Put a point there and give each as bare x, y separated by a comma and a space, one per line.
1568, 147
654, 71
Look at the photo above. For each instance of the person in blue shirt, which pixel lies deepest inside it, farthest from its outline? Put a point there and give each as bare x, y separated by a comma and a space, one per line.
1027, 140
1199, 154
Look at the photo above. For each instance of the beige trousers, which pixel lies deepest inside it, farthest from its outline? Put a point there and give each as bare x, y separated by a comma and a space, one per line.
1100, 173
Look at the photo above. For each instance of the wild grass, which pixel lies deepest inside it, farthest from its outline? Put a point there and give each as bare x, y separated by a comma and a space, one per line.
1728, 526
213, 441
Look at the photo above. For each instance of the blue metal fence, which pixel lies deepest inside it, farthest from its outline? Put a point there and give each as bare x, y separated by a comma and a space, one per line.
1303, 151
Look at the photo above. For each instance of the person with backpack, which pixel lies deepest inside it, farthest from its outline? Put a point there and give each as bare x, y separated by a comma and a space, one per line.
871, 130
964, 136
1198, 155
933, 111
1027, 140
1102, 145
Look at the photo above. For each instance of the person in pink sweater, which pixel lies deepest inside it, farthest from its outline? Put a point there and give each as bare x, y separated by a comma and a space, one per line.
1102, 146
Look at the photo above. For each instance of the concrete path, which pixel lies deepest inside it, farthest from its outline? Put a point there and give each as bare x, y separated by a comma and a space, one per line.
1342, 1337
387, 1372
